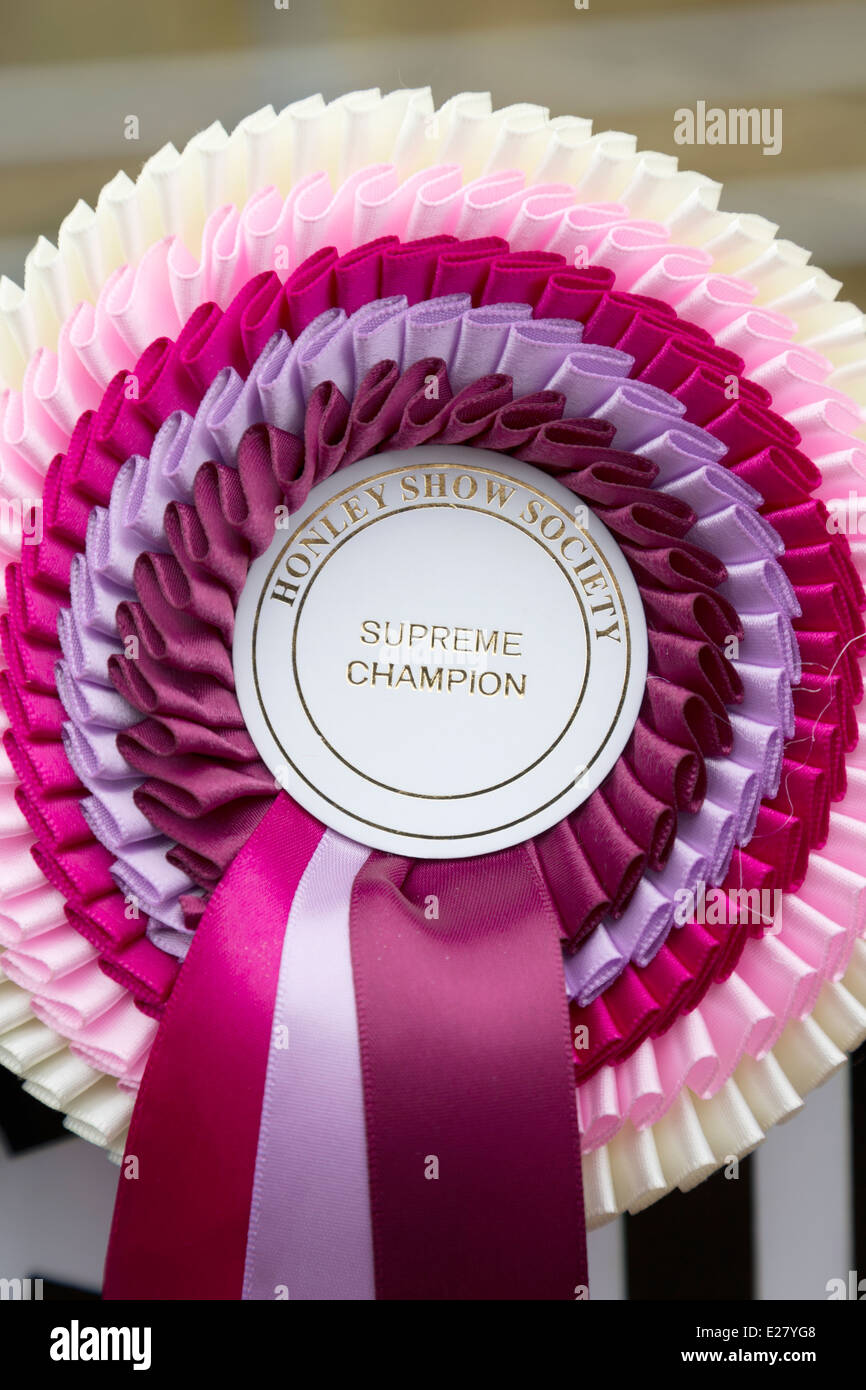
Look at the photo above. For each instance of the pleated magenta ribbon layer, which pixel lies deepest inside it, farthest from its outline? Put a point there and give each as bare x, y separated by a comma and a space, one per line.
471, 1126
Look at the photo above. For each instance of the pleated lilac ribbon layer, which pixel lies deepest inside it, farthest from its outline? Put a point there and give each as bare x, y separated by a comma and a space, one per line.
780, 494
339, 347
777, 501
524, 267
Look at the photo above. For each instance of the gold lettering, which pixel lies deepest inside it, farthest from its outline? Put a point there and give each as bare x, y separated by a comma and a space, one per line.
552, 535
408, 487
445, 678
442, 679
314, 539
440, 484
473, 487
590, 579
298, 574
533, 510
428, 681
287, 589
607, 607
571, 541
501, 492
585, 564
353, 509
406, 676
334, 530
377, 494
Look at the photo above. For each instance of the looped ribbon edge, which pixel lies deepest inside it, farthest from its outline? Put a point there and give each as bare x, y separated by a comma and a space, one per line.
362, 1087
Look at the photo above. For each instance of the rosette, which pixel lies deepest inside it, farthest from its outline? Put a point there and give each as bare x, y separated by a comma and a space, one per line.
201, 935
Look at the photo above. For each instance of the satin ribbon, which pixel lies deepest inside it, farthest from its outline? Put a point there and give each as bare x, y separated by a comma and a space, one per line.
182, 1212
309, 1233
468, 1090
472, 1139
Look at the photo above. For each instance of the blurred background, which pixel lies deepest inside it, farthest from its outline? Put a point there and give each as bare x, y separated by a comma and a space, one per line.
69, 76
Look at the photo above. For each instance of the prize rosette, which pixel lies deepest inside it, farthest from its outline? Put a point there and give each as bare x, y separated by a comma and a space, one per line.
432, 792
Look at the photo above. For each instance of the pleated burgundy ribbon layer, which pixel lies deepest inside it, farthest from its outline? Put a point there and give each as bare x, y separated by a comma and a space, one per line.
609, 316
668, 351
183, 668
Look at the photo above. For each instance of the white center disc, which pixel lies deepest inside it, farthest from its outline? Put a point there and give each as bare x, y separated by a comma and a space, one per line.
442, 652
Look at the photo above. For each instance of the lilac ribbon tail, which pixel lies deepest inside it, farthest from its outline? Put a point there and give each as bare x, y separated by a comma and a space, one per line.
309, 1235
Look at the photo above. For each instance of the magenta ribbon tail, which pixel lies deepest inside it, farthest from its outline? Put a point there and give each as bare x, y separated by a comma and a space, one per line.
467, 1065
183, 1205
